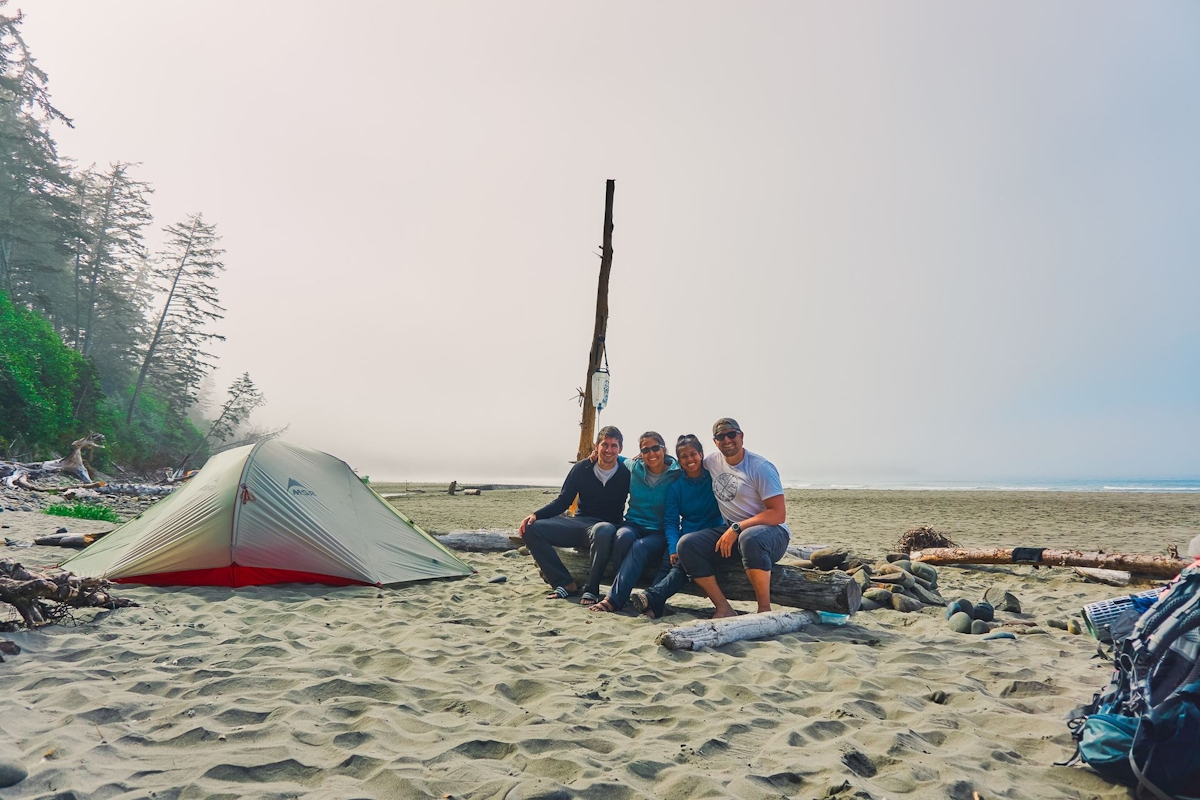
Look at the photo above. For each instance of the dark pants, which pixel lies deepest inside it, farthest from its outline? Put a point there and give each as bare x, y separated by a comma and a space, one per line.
757, 547
669, 581
635, 548
545, 534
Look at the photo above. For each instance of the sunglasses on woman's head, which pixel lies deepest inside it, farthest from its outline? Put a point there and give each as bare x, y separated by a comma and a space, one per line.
731, 435
654, 448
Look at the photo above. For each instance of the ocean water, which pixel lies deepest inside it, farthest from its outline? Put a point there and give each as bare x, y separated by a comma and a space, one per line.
1139, 485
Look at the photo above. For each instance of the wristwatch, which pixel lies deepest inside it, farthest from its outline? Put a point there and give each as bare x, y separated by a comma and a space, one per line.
736, 528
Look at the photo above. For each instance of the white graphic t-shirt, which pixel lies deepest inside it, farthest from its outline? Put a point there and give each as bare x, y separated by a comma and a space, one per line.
741, 490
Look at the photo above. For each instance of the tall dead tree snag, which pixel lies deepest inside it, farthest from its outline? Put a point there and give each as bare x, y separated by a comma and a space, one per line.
587, 427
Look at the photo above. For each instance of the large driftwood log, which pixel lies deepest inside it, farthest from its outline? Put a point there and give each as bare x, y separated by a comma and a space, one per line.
718, 632
790, 586
1157, 566
42, 597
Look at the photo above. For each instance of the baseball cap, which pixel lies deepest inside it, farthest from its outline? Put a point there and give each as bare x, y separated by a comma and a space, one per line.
725, 424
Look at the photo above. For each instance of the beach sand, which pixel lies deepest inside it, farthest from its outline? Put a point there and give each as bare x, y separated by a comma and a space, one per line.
464, 688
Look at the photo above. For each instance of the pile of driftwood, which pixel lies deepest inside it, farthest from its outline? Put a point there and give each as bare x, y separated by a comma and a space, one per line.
44, 597
19, 475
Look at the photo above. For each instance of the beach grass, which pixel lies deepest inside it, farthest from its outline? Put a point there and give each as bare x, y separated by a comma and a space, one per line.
82, 511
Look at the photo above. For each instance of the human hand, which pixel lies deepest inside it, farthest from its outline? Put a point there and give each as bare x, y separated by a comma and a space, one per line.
525, 523
594, 456
726, 542
674, 559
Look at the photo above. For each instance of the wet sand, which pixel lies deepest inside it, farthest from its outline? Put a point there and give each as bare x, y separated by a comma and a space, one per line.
465, 688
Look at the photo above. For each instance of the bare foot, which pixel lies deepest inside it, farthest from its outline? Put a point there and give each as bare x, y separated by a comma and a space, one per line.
604, 606
725, 613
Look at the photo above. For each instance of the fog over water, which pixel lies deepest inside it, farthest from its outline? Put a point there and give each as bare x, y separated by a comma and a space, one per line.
900, 244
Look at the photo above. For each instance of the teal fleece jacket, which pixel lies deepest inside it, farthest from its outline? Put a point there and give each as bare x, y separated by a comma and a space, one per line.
647, 504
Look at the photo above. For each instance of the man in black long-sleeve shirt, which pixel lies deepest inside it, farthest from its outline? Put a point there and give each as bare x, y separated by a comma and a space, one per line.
602, 487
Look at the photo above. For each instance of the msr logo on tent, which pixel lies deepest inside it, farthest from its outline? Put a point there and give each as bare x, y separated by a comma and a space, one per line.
297, 488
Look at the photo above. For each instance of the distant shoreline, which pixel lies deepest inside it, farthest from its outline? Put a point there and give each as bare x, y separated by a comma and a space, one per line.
1109, 486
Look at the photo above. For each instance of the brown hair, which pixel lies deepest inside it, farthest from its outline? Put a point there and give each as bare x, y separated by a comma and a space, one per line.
610, 432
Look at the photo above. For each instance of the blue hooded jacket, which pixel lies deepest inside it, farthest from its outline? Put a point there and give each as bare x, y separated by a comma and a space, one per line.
646, 503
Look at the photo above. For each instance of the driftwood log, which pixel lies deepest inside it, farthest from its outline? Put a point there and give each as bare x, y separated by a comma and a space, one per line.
43, 597
717, 632
1156, 566
484, 541
790, 586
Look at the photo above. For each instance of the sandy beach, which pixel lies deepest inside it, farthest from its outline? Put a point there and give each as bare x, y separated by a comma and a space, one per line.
465, 688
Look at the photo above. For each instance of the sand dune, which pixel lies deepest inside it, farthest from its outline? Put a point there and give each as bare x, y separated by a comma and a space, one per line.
471, 689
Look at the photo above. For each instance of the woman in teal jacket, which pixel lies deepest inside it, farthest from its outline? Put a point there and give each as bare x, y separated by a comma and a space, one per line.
641, 539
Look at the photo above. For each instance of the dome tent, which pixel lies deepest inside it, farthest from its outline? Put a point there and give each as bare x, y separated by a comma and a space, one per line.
270, 512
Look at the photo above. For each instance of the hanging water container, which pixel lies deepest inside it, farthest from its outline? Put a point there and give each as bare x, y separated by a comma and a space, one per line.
600, 389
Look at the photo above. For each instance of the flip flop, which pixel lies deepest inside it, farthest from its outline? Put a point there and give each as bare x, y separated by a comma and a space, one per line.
604, 607
560, 593
588, 599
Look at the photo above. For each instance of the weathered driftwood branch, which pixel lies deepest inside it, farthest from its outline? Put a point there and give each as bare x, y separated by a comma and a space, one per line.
41, 597
718, 632
1157, 566
790, 586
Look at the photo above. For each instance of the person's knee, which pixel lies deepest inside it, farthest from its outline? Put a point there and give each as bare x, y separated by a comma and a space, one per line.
602, 532
758, 545
533, 533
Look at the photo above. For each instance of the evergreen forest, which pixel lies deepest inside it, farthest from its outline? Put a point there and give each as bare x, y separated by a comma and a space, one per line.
98, 332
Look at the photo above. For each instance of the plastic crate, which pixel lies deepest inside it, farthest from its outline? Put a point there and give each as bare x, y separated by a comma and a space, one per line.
1100, 615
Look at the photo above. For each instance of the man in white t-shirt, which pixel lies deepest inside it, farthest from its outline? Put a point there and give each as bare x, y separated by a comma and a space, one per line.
750, 497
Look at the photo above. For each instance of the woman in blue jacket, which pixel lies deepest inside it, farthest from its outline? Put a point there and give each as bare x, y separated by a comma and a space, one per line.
690, 506
641, 539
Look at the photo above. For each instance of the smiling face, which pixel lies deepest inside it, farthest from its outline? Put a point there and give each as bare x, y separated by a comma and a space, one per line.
653, 453
610, 448
691, 460
729, 442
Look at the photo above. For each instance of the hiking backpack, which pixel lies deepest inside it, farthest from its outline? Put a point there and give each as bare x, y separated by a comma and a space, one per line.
1143, 729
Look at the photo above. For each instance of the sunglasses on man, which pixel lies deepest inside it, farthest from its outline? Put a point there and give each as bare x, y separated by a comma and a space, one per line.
654, 448
730, 435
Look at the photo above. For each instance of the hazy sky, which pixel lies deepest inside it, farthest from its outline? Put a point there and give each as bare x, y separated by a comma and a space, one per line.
939, 240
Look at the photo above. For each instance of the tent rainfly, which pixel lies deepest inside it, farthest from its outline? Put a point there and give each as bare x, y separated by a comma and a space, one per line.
270, 512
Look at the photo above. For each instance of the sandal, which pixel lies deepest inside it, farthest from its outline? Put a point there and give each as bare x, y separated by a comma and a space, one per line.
588, 599
561, 593
640, 602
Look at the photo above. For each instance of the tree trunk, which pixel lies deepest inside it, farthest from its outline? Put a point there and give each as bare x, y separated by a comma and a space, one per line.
587, 427
790, 586
718, 632
94, 264
1157, 566
137, 389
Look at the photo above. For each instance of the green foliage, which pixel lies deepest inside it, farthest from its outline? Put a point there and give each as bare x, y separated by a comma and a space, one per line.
82, 511
40, 379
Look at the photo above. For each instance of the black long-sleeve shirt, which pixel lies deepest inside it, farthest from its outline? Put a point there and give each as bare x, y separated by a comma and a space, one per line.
605, 501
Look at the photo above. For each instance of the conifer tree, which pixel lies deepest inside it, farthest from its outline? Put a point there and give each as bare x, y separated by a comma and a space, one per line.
115, 212
36, 224
188, 268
